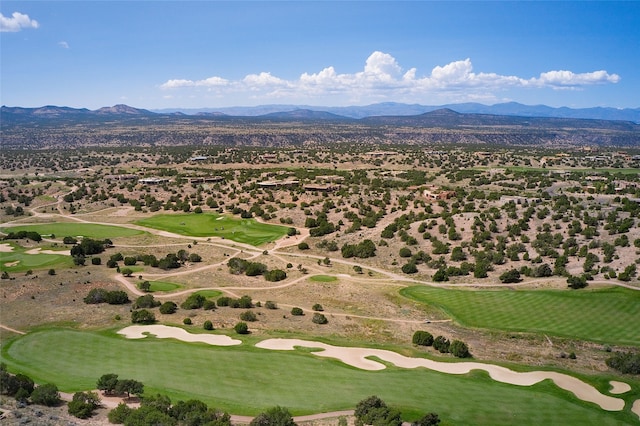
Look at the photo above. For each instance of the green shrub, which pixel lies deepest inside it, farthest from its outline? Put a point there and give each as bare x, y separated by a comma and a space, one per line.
208, 325
459, 349
187, 321
241, 328
297, 312
248, 316
319, 318
422, 338
441, 344
168, 308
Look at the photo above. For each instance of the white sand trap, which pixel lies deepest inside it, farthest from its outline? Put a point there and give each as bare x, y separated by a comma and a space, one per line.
10, 264
167, 332
220, 218
357, 357
619, 387
40, 251
6, 248
636, 407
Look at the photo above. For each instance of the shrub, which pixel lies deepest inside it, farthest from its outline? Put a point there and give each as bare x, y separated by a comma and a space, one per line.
142, 316
276, 416
255, 269
241, 328
441, 344
297, 311
422, 338
405, 252
318, 307
130, 261
209, 305
83, 404
96, 261
303, 246
270, 305
459, 349
441, 275
275, 275
576, 282
223, 301
146, 301
409, 268
168, 308
187, 321
208, 325
319, 318
511, 276
248, 316
625, 362
194, 301
46, 394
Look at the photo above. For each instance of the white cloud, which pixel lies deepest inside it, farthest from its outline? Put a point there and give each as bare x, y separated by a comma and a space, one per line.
382, 78
16, 22
63, 44
567, 79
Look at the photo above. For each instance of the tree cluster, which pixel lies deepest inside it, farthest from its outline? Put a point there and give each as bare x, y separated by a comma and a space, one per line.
100, 295
23, 389
158, 410
625, 362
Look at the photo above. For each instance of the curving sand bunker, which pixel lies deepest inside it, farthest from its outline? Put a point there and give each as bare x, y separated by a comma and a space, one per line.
167, 332
619, 387
357, 357
6, 248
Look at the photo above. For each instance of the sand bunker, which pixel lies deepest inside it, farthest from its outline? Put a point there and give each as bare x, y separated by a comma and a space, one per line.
6, 248
619, 387
40, 251
636, 407
357, 357
10, 264
167, 332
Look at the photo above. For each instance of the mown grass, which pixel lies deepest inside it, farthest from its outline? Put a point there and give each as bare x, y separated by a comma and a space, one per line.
323, 278
26, 261
69, 229
209, 293
604, 315
235, 379
163, 286
247, 231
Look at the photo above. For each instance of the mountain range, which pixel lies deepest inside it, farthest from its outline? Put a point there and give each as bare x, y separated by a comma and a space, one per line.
305, 112
393, 108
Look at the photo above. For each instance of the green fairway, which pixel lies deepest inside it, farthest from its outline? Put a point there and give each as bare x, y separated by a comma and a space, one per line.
608, 316
247, 231
19, 261
67, 229
235, 378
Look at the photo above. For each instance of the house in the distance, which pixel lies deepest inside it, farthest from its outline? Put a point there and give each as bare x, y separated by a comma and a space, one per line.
436, 193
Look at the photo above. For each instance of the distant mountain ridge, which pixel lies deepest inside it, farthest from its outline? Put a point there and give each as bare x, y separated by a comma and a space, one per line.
394, 108
306, 112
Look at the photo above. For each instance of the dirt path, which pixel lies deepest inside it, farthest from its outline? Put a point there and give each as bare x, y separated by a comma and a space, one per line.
13, 330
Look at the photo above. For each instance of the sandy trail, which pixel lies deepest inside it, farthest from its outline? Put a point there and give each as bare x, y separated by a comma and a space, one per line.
358, 357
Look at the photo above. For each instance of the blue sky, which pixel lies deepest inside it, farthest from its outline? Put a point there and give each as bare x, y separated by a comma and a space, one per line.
196, 54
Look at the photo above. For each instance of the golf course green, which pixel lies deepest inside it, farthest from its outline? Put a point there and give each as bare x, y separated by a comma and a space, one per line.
247, 231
